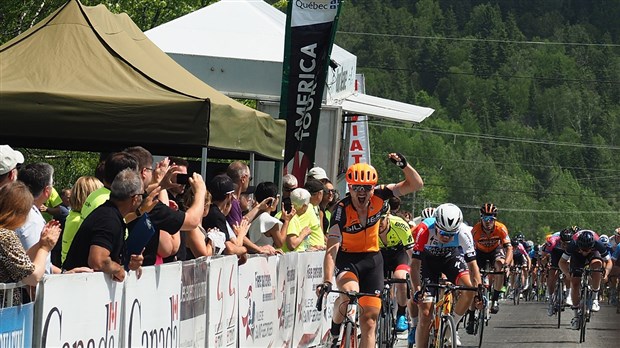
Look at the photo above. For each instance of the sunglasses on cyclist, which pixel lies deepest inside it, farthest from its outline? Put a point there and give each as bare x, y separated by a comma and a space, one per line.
487, 218
448, 234
360, 188
585, 251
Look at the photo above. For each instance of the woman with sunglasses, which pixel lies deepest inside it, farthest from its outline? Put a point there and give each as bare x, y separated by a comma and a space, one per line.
492, 248
353, 242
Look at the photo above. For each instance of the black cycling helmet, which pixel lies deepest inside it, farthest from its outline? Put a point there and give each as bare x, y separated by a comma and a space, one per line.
488, 209
520, 237
585, 240
566, 235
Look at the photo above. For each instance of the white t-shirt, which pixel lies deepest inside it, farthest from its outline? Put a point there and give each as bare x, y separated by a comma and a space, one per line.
261, 224
30, 233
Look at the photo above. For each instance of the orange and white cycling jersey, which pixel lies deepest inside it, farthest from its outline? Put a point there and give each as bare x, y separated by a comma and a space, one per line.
355, 236
487, 242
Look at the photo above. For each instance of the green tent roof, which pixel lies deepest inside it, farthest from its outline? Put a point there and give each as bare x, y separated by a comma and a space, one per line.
85, 78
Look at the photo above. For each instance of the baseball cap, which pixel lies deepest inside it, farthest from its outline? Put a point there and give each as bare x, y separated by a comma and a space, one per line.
250, 190
220, 186
317, 173
9, 159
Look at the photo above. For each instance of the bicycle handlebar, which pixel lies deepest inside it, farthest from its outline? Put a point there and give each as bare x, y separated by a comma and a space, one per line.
352, 295
406, 281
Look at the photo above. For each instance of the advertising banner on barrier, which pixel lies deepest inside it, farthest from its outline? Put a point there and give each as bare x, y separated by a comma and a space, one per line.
193, 303
286, 294
257, 302
79, 310
151, 307
308, 319
222, 296
16, 326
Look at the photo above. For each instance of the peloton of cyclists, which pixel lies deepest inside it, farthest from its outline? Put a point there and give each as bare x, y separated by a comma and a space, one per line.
352, 253
492, 247
585, 247
443, 245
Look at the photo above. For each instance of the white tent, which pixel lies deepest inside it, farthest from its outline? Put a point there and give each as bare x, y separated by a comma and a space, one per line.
237, 47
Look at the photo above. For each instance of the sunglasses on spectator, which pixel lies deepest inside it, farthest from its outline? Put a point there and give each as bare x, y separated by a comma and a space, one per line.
448, 234
287, 189
360, 188
327, 192
487, 218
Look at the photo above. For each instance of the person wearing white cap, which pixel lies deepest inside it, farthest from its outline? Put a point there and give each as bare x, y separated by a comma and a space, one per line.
317, 173
9, 159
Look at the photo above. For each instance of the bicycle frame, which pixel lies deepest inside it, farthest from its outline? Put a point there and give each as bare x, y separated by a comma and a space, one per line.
585, 302
386, 325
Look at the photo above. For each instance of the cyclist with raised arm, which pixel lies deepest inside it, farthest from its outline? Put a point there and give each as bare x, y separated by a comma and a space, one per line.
492, 247
395, 242
554, 247
352, 253
443, 244
585, 248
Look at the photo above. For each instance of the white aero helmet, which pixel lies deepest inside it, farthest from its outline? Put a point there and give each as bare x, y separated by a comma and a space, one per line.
427, 212
448, 218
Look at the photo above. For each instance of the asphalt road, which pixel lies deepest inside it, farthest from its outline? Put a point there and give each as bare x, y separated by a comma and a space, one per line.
528, 326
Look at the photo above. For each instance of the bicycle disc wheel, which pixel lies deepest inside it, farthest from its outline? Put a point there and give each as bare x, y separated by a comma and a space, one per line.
481, 323
448, 332
349, 339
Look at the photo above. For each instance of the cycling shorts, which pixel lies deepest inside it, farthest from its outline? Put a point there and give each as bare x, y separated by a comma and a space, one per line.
453, 266
395, 259
519, 259
556, 255
367, 268
578, 260
482, 258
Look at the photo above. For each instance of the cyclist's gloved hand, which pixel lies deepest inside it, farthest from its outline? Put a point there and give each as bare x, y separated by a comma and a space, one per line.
417, 296
401, 162
325, 288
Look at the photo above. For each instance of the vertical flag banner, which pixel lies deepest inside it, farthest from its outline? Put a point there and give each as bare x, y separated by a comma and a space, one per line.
310, 30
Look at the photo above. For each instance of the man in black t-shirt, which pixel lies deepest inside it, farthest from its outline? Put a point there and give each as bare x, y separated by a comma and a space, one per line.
99, 241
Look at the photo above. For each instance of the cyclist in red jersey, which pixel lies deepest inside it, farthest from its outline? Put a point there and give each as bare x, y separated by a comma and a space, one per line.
352, 253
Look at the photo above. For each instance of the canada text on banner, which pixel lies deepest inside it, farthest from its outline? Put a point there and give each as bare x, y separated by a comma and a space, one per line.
157, 290
310, 29
71, 318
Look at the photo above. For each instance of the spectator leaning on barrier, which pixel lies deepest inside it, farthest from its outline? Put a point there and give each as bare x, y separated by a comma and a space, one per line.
16, 202
222, 189
9, 161
266, 229
39, 179
198, 241
297, 235
100, 239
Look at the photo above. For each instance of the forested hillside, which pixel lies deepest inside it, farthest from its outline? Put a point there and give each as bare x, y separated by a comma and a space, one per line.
526, 93
527, 99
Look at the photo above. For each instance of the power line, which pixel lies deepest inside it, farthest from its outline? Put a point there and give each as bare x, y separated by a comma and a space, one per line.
467, 39
496, 137
540, 78
541, 211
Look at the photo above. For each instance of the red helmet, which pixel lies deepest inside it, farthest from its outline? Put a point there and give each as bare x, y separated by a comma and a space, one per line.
488, 209
361, 174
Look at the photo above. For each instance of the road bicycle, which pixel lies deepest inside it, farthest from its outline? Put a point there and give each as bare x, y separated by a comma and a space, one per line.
386, 324
585, 302
517, 288
558, 300
481, 316
349, 337
443, 328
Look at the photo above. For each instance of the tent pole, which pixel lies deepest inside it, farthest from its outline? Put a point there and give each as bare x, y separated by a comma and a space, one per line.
203, 164
252, 164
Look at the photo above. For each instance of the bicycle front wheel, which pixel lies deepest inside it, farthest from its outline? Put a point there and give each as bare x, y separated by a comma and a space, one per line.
349, 338
481, 322
448, 332
583, 315
559, 303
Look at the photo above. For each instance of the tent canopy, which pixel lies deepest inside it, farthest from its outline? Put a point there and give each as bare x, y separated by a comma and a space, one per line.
85, 78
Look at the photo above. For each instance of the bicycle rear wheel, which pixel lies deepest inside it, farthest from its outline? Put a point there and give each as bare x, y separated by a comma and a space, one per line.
448, 332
